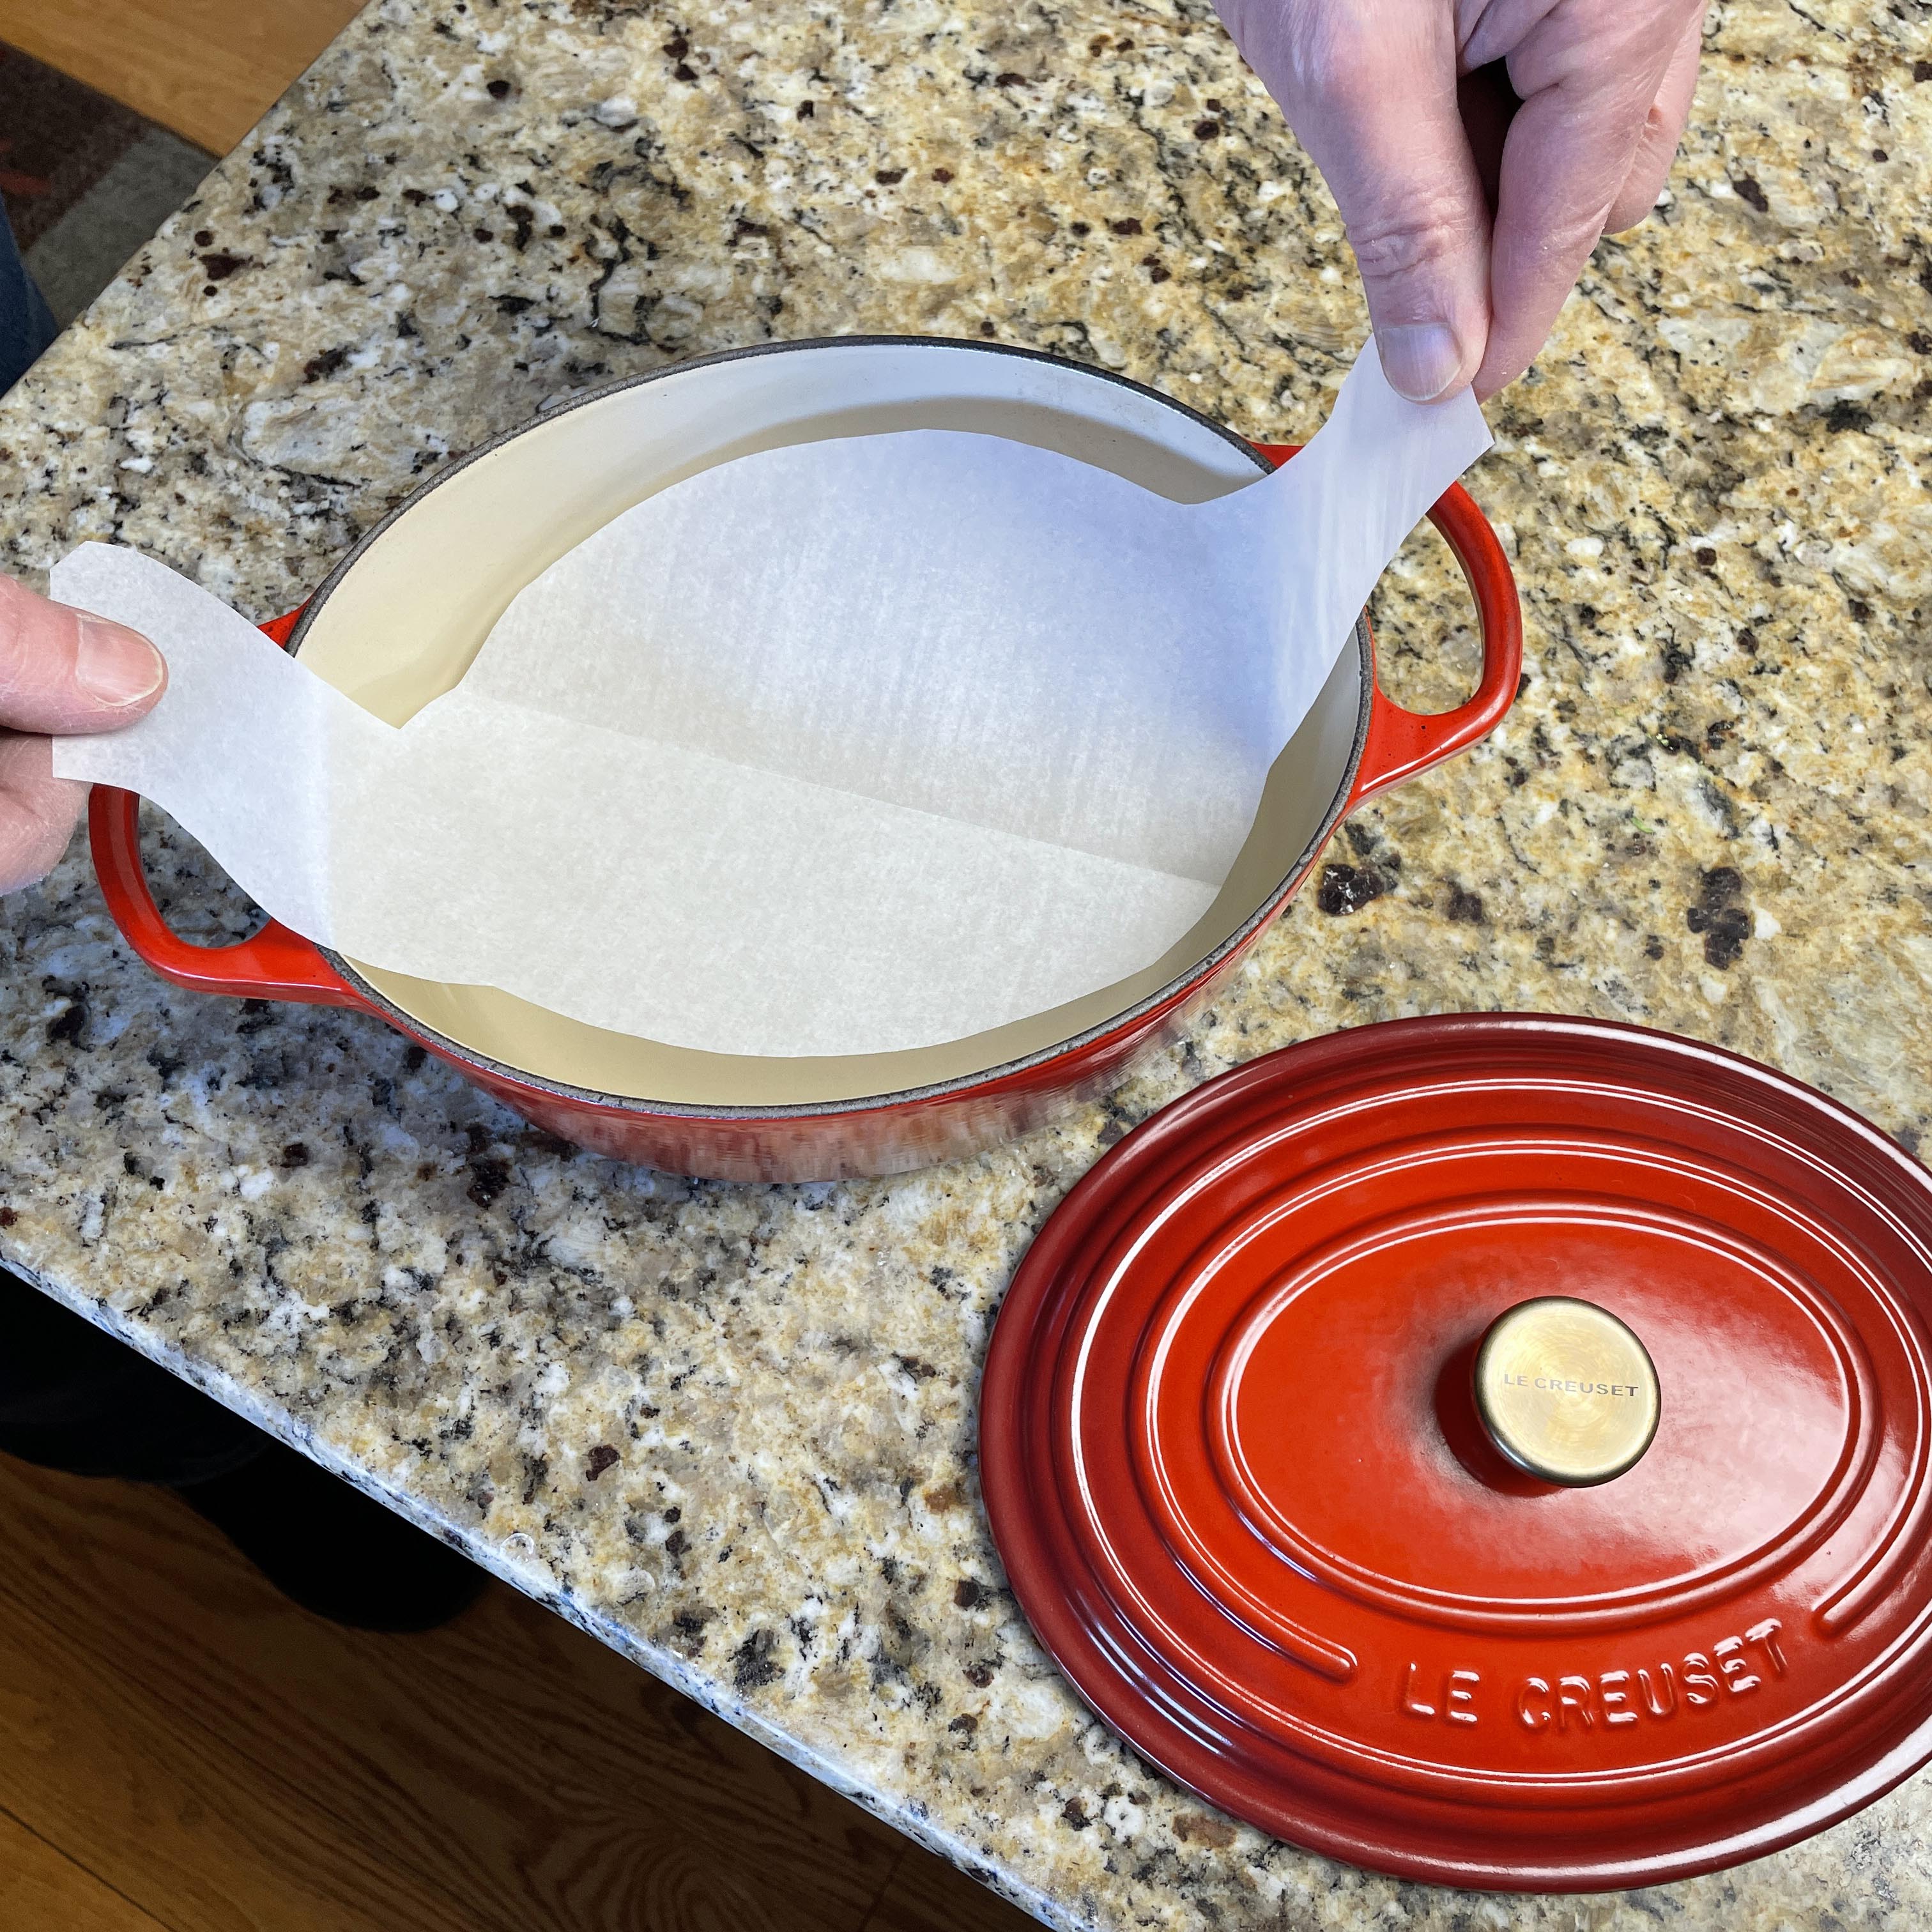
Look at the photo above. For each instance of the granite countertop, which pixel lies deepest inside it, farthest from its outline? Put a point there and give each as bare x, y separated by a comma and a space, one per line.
730, 1430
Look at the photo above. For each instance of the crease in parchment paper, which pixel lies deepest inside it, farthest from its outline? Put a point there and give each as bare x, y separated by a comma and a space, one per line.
845, 748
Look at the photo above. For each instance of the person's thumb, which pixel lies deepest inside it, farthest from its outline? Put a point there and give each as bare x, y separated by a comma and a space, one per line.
1370, 92
64, 670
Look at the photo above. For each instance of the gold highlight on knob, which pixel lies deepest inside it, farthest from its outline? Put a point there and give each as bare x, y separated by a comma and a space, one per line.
1566, 1391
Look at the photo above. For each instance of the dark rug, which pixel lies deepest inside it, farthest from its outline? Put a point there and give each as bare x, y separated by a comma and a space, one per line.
85, 180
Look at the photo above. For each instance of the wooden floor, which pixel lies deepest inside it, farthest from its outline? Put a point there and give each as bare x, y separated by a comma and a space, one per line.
181, 1748
205, 69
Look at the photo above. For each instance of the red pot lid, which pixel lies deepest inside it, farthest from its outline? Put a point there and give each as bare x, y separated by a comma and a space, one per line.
1244, 1487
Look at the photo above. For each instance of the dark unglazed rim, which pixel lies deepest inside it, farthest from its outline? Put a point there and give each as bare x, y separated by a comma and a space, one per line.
1182, 983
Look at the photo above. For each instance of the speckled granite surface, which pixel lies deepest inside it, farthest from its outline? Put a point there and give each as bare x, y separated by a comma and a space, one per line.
729, 1429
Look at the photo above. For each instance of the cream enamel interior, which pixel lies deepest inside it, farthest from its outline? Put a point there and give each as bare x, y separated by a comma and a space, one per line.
401, 620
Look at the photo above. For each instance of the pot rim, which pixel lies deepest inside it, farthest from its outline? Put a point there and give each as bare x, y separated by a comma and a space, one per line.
1188, 980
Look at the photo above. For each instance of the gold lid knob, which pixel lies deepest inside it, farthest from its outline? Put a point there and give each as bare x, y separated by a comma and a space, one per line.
1566, 1391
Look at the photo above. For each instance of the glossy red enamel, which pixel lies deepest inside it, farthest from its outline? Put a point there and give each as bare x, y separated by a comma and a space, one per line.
1232, 1462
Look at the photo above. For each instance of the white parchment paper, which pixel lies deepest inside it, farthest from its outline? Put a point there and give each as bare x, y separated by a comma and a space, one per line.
840, 748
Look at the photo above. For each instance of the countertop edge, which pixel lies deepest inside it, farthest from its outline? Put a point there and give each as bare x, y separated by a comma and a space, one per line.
661, 1663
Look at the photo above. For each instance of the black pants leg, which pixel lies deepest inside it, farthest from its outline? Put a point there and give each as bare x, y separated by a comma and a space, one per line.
72, 1398
26, 325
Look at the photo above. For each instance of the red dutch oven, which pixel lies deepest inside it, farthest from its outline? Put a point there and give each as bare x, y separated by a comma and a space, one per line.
400, 618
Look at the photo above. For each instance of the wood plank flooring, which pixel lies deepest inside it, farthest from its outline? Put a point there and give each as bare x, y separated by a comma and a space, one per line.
181, 1749
207, 69
39, 1886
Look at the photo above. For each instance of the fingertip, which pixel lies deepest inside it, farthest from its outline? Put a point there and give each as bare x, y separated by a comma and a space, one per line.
1643, 186
1497, 374
64, 670
1424, 362
117, 667
1628, 214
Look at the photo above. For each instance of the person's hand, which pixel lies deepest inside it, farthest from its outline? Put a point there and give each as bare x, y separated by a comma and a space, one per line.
62, 671
1368, 87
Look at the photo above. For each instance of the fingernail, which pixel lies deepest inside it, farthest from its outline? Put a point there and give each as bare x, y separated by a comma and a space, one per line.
116, 664
1420, 359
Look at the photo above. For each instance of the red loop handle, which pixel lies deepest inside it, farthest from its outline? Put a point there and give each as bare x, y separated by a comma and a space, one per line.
274, 964
1401, 743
